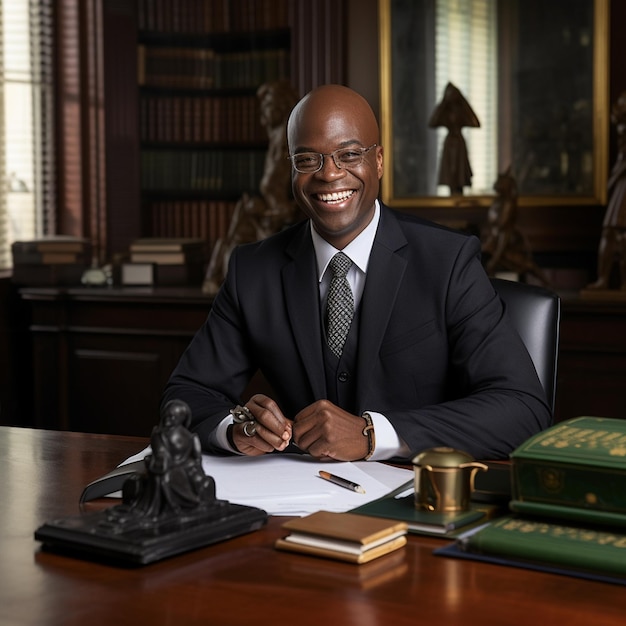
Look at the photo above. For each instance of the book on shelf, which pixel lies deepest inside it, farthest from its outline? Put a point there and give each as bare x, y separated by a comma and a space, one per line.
211, 17
579, 548
48, 258
343, 536
204, 68
52, 243
56, 260
190, 254
574, 470
167, 258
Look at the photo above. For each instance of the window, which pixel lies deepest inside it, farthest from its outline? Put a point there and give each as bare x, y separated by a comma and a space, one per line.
533, 72
466, 55
26, 123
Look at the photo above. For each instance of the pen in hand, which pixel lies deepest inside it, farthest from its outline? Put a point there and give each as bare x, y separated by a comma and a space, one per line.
342, 482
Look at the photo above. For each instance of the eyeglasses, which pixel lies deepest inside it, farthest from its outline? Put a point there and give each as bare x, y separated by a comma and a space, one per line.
344, 158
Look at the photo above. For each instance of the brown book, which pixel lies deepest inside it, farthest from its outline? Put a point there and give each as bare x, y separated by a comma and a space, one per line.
343, 536
47, 258
53, 243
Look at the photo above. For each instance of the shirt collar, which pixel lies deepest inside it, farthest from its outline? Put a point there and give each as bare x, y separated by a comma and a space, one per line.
358, 249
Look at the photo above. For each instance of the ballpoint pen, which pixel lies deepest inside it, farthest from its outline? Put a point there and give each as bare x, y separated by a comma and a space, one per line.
342, 482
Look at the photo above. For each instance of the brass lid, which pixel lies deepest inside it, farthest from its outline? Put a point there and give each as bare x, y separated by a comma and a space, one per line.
442, 457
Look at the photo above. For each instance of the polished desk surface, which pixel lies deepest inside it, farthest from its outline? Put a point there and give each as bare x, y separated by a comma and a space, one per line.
245, 580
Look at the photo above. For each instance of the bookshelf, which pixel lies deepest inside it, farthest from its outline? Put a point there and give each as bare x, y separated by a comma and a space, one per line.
201, 142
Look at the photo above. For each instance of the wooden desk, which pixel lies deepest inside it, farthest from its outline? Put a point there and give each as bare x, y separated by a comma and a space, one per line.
244, 580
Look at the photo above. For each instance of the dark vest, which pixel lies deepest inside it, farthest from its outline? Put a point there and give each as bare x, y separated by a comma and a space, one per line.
341, 373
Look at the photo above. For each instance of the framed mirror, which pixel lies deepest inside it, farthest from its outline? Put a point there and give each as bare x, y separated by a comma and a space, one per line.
534, 72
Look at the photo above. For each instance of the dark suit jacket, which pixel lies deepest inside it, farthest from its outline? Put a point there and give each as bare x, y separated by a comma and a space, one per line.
435, 354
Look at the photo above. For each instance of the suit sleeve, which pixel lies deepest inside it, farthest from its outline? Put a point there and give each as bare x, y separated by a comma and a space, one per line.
495, 398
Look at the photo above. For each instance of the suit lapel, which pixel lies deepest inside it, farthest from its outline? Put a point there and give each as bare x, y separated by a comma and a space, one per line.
301, 292
384, 275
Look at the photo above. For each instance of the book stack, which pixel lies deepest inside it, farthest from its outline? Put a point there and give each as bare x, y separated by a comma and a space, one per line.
343, 536
568, 501
50, 261
178, 261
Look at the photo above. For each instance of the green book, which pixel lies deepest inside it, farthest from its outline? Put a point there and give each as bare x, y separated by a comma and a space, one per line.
575, 470
421, 522
588, 549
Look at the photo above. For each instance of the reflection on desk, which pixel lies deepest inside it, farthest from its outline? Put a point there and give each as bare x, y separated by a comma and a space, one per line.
245, 580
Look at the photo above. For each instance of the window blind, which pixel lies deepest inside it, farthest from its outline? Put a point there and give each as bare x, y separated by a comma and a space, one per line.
466, 55
27, 192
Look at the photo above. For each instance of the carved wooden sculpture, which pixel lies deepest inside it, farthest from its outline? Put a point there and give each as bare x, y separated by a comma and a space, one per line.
612, 248
504, 246
257, 217
454, 112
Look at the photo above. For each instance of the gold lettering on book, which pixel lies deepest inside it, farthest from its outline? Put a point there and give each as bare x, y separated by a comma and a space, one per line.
589, 439
599, 537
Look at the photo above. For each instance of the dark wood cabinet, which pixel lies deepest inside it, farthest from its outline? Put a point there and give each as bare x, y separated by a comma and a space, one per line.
592, 359
101, 357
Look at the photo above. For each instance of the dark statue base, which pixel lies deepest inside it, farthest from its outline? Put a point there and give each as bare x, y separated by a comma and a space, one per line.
102, 535
167, 508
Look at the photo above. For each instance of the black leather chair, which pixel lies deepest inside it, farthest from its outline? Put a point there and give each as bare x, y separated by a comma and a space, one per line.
535, 312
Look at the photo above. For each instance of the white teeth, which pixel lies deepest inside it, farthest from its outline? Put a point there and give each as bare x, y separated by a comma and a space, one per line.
335, 197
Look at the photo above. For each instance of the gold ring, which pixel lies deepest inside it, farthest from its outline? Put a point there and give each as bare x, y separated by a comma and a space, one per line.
252, 431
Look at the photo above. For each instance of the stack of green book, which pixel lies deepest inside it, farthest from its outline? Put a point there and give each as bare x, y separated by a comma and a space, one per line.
575, 470
568, 500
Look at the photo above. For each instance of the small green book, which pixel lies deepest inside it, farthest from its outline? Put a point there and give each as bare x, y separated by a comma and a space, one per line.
575, 470
584, 548
420, 522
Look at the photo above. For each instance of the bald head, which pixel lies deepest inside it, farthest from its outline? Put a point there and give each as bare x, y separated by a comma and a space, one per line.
339, 196
324, 104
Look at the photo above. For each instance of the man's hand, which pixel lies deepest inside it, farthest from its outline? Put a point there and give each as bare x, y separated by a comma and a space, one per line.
327, 432
272, 430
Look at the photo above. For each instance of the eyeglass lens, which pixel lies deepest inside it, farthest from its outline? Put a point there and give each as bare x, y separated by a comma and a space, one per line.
309, 162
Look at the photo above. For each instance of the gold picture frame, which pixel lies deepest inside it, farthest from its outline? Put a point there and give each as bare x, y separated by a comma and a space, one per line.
399, 92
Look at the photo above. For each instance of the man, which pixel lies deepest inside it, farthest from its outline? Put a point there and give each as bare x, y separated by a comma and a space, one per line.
428, 360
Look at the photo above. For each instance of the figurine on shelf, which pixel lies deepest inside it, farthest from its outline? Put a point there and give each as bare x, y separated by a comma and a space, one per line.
612, 246
256, 217
454, 112
504, 246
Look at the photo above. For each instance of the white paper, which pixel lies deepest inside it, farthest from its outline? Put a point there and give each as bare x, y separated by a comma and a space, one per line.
289, 484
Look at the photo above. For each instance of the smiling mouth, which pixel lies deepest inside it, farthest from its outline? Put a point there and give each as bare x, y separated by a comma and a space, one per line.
336, 197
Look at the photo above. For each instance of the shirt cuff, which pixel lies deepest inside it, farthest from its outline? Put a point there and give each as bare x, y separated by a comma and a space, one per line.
388, 443
219, 438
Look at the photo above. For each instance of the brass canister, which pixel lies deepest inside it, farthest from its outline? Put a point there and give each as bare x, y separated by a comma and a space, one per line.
444, 479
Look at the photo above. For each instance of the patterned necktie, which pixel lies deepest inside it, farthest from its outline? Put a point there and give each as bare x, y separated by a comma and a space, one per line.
340, 304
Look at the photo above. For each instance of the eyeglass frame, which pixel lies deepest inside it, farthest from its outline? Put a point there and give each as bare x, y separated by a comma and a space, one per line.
363, 152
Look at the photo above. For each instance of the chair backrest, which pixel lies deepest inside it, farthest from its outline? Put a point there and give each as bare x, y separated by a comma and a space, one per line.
535, 313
